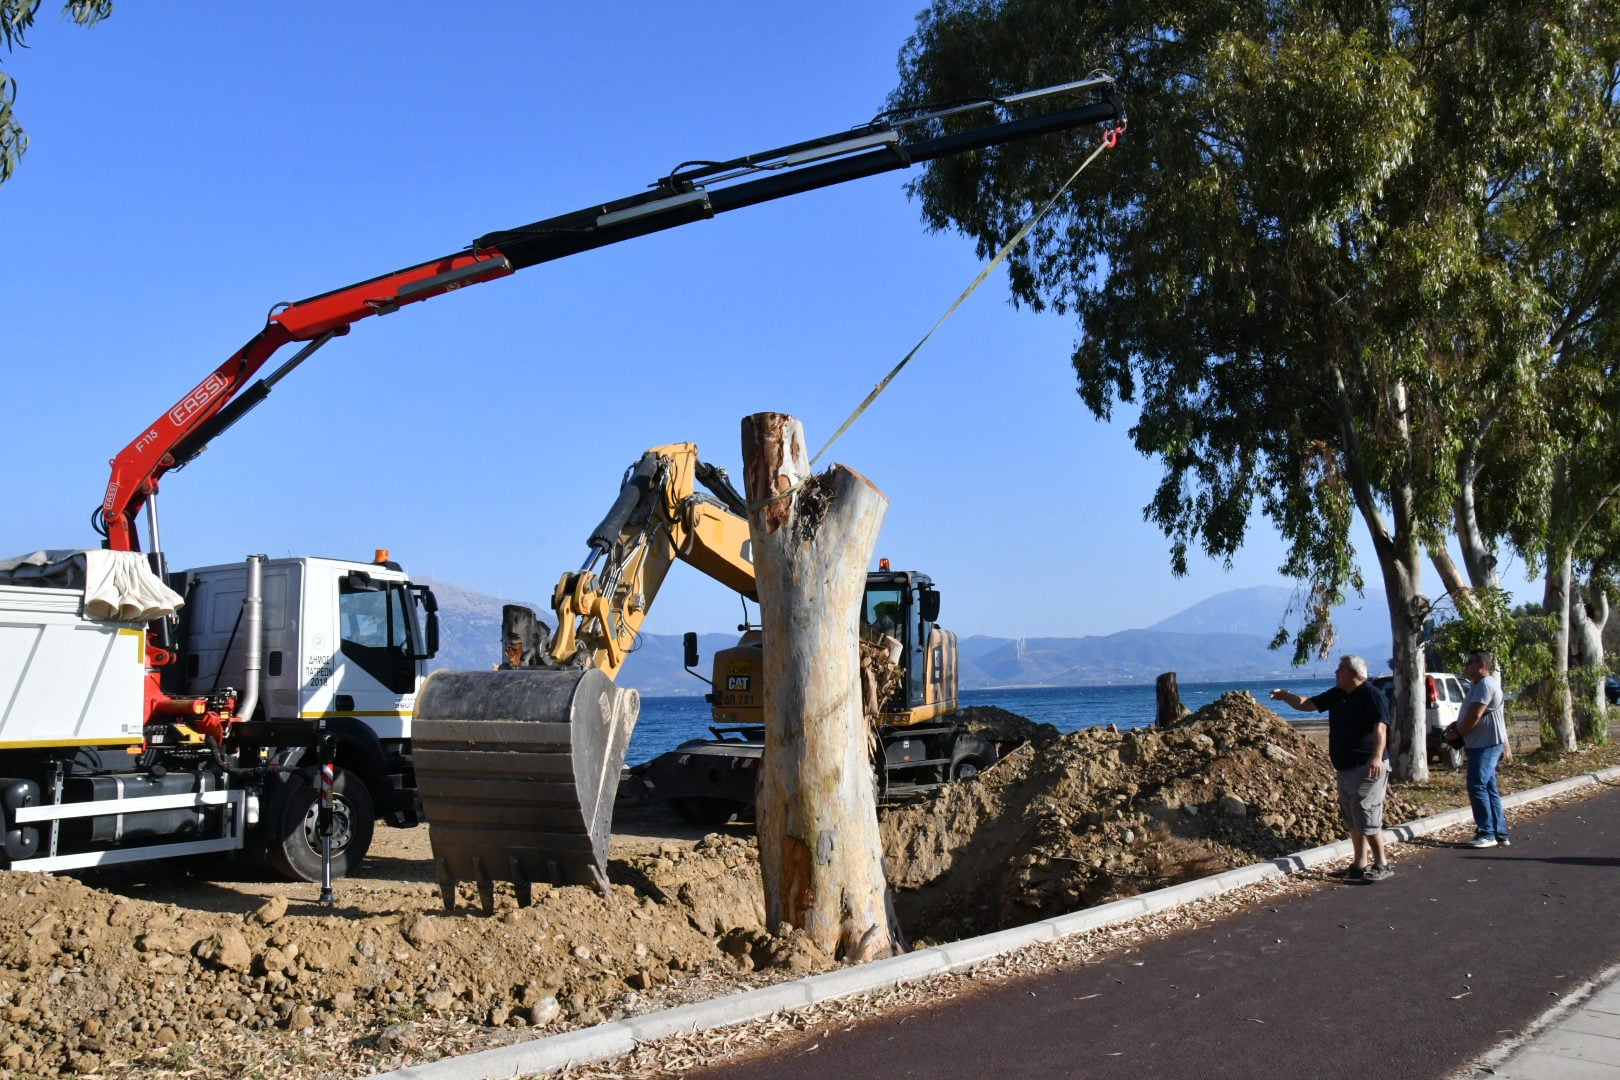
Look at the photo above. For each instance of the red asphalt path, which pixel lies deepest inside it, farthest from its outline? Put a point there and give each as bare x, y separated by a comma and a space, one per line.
1414, 977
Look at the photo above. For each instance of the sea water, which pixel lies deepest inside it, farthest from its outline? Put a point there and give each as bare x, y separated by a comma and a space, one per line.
666, 722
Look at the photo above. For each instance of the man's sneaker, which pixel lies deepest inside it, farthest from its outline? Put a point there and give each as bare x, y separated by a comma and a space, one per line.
1504, 842
1481, 842
1377, 873
1351, 873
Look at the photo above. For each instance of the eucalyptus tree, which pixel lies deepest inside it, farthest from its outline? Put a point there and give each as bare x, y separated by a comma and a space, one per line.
16, 16
1576, 535
1283, 263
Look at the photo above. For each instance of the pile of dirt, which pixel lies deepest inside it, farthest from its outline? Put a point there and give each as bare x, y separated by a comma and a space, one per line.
92, 980
170, 968
1101, 814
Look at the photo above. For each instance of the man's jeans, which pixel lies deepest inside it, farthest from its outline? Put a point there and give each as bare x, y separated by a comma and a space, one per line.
1483, 796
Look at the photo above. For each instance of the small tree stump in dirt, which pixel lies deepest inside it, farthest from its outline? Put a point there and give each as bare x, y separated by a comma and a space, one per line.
1171, 711
820, 855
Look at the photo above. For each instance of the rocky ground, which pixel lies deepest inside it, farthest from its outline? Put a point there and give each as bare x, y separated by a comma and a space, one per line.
193, 971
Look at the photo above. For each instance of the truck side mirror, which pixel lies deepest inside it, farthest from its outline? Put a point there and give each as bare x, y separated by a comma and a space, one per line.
432, 635
430, 604
689, 644
929, 604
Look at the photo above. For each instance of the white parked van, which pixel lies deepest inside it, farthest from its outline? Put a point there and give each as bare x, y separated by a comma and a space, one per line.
1443, 695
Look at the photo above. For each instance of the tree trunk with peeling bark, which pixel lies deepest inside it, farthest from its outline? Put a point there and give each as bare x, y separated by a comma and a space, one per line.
1555, 601
1451, 577
820, 854
1588, 612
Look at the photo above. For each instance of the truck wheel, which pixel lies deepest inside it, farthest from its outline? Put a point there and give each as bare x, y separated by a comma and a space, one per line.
294, 842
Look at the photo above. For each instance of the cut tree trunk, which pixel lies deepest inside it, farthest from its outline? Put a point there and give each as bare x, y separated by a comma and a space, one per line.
820, 855
1170, 710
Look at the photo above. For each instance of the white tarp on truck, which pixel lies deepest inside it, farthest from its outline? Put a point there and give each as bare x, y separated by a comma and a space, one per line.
117, 585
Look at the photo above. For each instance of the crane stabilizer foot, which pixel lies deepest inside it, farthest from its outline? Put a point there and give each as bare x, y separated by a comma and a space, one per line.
518, 770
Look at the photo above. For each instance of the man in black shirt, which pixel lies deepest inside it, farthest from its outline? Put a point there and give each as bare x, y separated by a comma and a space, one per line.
1358, 744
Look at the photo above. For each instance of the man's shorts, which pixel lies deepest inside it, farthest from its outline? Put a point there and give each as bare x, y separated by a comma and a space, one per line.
1361, 799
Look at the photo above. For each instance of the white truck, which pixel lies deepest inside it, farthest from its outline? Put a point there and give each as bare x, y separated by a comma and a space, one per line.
106, 757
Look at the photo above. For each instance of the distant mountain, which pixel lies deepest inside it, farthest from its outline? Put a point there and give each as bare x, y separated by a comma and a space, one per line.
1260, 610
470, 639
1221, 638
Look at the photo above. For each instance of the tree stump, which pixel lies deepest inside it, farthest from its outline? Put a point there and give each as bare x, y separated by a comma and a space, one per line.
820, 855
1170, 709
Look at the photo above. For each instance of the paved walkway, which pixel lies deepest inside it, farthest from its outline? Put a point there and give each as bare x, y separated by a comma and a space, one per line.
1502, 962
1578, 1043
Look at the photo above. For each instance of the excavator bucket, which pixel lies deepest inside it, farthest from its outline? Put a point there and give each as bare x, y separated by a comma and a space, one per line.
517, 770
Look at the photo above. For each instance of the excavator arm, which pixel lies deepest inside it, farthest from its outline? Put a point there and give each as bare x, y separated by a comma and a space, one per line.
658, 518
692, 192
518, 768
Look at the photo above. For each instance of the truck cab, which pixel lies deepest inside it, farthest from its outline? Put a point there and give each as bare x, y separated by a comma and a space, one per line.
342, 640
345, 645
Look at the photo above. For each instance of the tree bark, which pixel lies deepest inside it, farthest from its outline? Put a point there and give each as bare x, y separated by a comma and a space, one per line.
1451, 577
1556, 601
1170, 710
1477, 552
820, 855
1588, 611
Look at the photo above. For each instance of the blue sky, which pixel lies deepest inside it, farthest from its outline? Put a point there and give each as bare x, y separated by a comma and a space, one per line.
193, 164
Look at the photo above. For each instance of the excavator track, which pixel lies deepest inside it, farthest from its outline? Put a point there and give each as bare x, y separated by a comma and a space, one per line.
518, 769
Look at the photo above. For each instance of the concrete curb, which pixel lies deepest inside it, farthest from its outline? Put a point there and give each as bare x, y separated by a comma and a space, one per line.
556, 1052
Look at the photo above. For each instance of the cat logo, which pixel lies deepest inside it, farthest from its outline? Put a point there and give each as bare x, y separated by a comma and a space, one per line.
737, 683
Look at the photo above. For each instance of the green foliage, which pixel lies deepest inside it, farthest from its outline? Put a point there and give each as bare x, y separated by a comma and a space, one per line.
1522, 640
16, 16
1328, 246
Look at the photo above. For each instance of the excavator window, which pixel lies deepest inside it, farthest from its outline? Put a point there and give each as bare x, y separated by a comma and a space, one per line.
885, 613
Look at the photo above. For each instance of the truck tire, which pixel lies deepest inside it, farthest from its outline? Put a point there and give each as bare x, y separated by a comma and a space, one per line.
293, 843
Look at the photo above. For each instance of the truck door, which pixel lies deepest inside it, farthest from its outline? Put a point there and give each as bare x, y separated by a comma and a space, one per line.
377, 653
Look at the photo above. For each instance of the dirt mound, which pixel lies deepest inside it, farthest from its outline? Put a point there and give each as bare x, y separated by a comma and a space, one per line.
156, 970
90, 979
1102, 814
1007, 729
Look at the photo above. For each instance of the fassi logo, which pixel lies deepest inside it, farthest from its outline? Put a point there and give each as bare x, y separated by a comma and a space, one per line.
198, 399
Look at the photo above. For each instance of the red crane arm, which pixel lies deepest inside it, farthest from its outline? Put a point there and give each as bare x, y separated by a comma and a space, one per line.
184, 429
694, 191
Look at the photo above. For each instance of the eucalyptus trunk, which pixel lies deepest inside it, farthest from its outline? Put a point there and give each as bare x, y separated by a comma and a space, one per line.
1555, 600
1588, 612
1478, 554
1409, 726
820, 855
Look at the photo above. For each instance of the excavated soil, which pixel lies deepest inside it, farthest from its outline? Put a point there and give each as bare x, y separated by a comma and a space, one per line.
187, 970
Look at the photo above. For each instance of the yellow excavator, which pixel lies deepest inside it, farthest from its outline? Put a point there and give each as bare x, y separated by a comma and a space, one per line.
909, 691
518, 768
